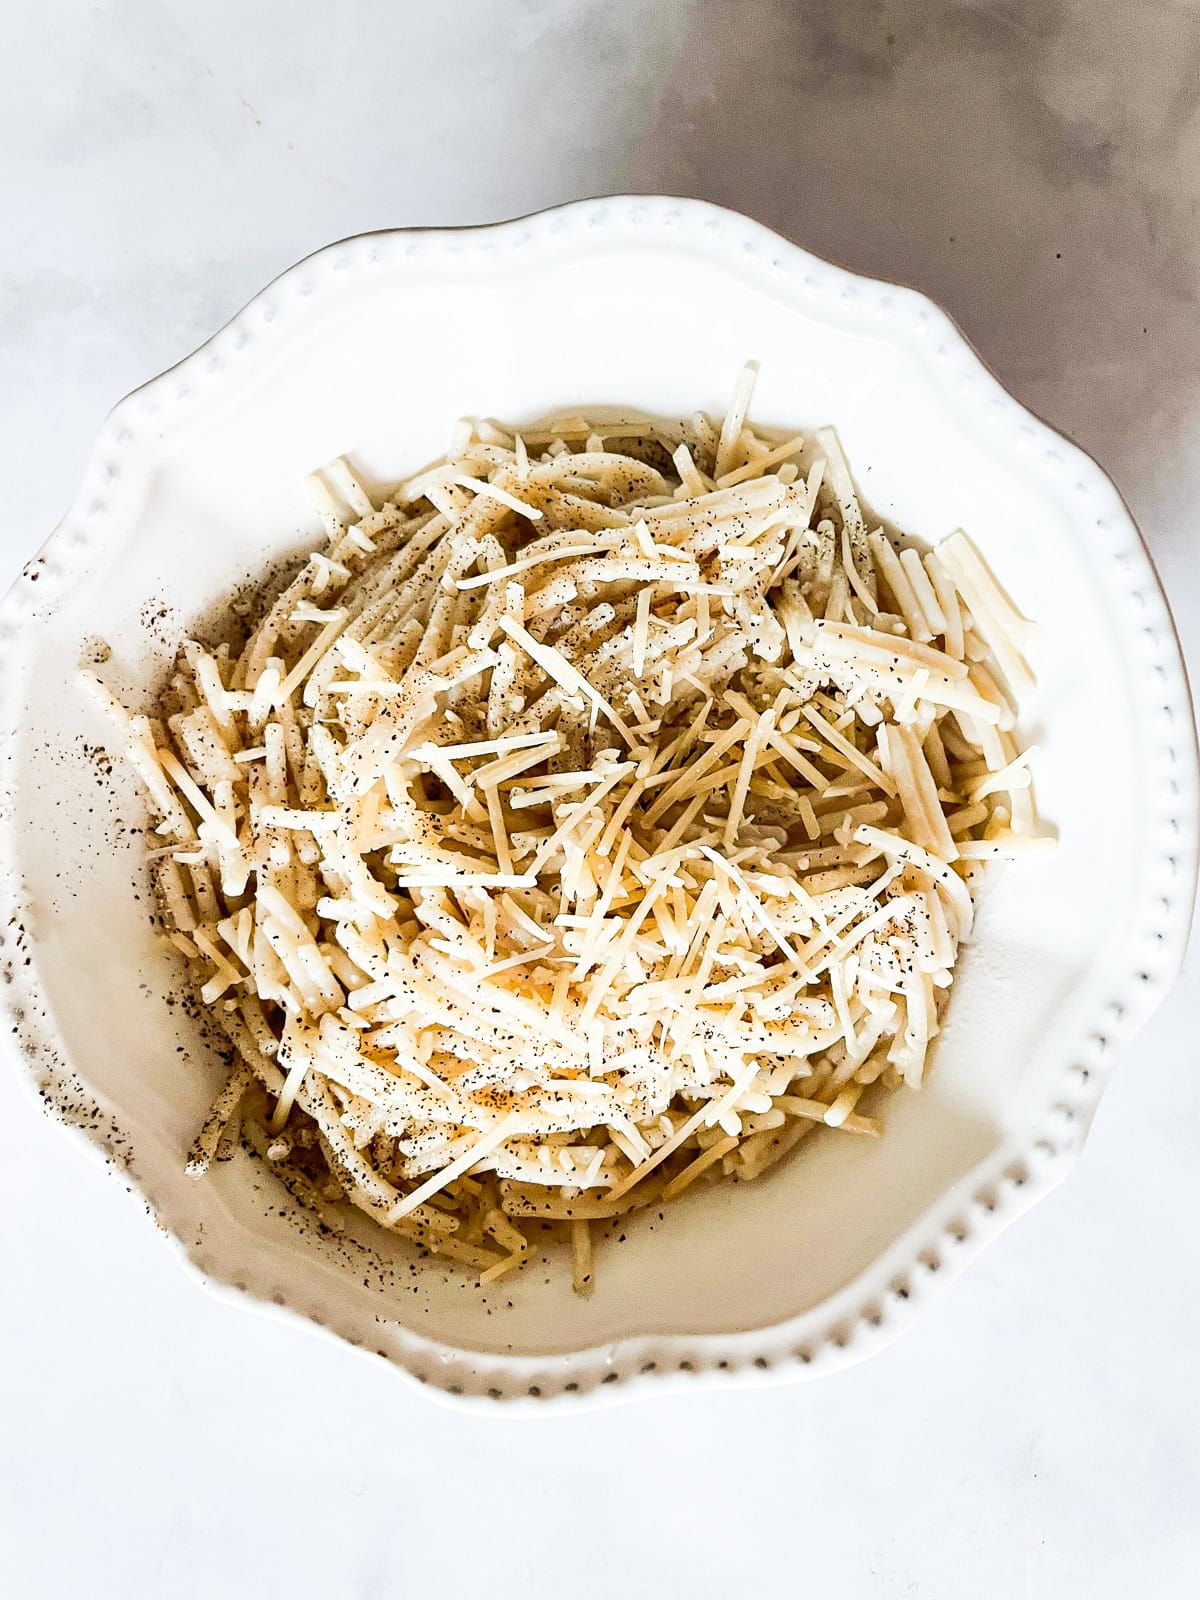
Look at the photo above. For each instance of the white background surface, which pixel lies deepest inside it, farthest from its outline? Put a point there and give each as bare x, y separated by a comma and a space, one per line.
1037, 169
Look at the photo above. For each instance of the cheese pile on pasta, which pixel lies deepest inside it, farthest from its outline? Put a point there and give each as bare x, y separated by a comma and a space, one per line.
601, 812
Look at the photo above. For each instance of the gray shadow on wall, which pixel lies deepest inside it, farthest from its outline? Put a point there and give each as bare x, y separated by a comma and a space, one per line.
1034, 168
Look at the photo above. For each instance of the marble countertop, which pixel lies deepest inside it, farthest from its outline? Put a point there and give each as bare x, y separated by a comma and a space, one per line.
1036, 168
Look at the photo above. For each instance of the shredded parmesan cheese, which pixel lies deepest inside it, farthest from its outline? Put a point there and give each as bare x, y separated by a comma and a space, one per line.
595, 819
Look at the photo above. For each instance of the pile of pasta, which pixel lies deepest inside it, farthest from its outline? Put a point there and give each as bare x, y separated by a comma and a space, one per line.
601, 812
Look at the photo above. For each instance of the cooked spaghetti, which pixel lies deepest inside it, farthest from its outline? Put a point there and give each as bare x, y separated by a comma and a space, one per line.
600, 814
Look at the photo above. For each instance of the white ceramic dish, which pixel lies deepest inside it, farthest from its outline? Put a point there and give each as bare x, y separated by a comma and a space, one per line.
374, 346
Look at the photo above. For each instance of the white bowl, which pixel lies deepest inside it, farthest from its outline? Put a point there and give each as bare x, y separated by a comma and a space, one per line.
374, 346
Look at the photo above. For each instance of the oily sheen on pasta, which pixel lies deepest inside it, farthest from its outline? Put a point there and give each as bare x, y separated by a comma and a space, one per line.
601, 813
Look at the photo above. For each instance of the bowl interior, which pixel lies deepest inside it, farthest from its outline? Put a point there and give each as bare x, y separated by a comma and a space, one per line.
204, 486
